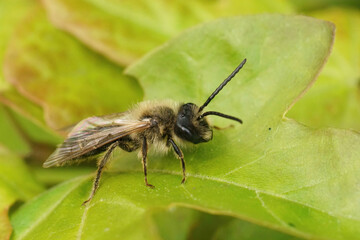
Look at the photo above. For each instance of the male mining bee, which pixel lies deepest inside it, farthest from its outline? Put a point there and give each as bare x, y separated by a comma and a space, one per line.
158, 123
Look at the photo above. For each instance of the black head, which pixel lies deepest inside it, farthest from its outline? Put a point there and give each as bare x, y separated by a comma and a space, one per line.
191, 124
189, 127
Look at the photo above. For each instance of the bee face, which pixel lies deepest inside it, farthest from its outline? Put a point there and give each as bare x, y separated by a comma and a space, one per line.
190, 127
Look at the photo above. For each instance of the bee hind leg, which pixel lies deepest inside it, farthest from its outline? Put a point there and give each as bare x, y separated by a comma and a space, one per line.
99, 171
144, 150
181, 156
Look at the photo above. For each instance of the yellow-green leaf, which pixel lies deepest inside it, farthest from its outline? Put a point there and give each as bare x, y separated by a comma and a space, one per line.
68, 80
11, 12
16, 184
126, 30
270, 171
334, 100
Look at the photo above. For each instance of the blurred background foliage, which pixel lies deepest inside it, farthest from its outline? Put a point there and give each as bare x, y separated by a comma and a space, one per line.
63, 60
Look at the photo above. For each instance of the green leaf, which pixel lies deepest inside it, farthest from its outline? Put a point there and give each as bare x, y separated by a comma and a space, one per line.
11, 12
184, 223
270, 171
53, 176
10, 136
334, 100
126, 30
235, 228
23, 137
68, 80
14, 100
40, 218
36, 133
16, 183
26, 137
306, 5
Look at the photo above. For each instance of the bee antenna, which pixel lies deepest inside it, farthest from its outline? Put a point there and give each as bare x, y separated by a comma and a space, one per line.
222, 85
220, 115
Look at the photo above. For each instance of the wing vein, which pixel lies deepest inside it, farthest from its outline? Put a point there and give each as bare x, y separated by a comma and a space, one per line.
91, 134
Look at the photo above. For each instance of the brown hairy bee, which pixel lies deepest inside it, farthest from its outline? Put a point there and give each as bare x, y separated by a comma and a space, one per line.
160, 123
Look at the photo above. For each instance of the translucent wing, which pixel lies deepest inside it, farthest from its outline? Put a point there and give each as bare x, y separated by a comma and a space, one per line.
93, 133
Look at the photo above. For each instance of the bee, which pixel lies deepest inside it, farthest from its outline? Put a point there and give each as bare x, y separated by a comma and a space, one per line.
164, 124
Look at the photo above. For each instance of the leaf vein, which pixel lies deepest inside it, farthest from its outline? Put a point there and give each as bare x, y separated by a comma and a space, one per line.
269, 210
50, 210
244, 165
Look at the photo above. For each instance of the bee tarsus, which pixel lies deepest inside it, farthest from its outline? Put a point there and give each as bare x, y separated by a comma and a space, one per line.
144, 150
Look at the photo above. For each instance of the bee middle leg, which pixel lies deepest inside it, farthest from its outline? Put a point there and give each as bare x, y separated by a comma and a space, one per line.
144, 150
99, 171
181, 156
223, 128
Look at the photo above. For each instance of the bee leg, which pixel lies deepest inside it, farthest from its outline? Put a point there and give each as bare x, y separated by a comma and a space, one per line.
144, 150
181, 156
223, 128
99, 171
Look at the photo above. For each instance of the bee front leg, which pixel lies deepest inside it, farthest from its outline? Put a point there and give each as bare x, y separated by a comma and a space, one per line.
99, 171
181, 156
144, 150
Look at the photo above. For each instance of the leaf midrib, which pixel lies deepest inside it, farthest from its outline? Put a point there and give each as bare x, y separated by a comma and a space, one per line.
198, 176
51, 209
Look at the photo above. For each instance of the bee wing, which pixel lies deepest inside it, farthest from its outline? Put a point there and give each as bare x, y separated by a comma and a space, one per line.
88, 123
96, 121
92, 133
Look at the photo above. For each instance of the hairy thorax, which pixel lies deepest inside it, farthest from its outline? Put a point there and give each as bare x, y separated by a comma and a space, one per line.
163, 118
163, 115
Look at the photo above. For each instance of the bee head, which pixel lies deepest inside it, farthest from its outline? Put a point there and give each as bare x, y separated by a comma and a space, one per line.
190, 127
191, 124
